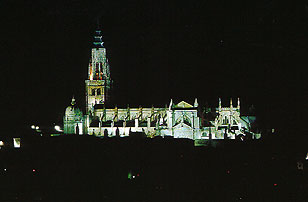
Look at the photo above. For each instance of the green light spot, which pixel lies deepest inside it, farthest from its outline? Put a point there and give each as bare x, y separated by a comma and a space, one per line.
129, 176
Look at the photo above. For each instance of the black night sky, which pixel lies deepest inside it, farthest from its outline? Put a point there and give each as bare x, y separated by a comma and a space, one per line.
157, 50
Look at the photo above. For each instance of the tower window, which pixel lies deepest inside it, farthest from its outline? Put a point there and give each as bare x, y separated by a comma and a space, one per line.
99, 91
93, 91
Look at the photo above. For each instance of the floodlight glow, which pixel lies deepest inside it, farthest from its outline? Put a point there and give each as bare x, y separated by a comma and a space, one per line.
57, 128
33, 127
16, 142
307, 156
129, 176
37, 127
1, 143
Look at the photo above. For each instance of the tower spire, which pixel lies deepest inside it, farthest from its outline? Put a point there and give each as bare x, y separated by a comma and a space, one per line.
98, 82
98, 39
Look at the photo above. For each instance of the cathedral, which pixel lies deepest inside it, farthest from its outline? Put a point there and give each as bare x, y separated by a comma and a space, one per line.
176, 120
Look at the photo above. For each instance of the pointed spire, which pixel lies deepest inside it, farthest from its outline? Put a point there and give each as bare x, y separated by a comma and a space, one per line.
238, 102
170, 105
152, 111
196, 103
98, 39
231, 103
219, 103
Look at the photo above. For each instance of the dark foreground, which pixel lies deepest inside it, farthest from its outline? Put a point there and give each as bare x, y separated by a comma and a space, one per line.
86, 169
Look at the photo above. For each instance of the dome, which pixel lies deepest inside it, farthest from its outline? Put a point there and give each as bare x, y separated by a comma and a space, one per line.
72, 110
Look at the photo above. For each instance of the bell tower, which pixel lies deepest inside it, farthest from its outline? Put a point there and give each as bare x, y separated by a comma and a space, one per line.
98, 81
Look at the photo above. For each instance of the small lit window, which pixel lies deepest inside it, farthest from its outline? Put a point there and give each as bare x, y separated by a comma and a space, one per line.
16, 142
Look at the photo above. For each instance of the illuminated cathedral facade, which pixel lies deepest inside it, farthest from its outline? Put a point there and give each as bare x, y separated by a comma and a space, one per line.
178, 120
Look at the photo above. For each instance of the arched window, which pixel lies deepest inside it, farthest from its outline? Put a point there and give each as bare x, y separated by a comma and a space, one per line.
98, 91
225, 120
93, 91
186, 120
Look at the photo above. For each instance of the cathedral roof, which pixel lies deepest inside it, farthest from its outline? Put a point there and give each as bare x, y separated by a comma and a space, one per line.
123, 106
183, 106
